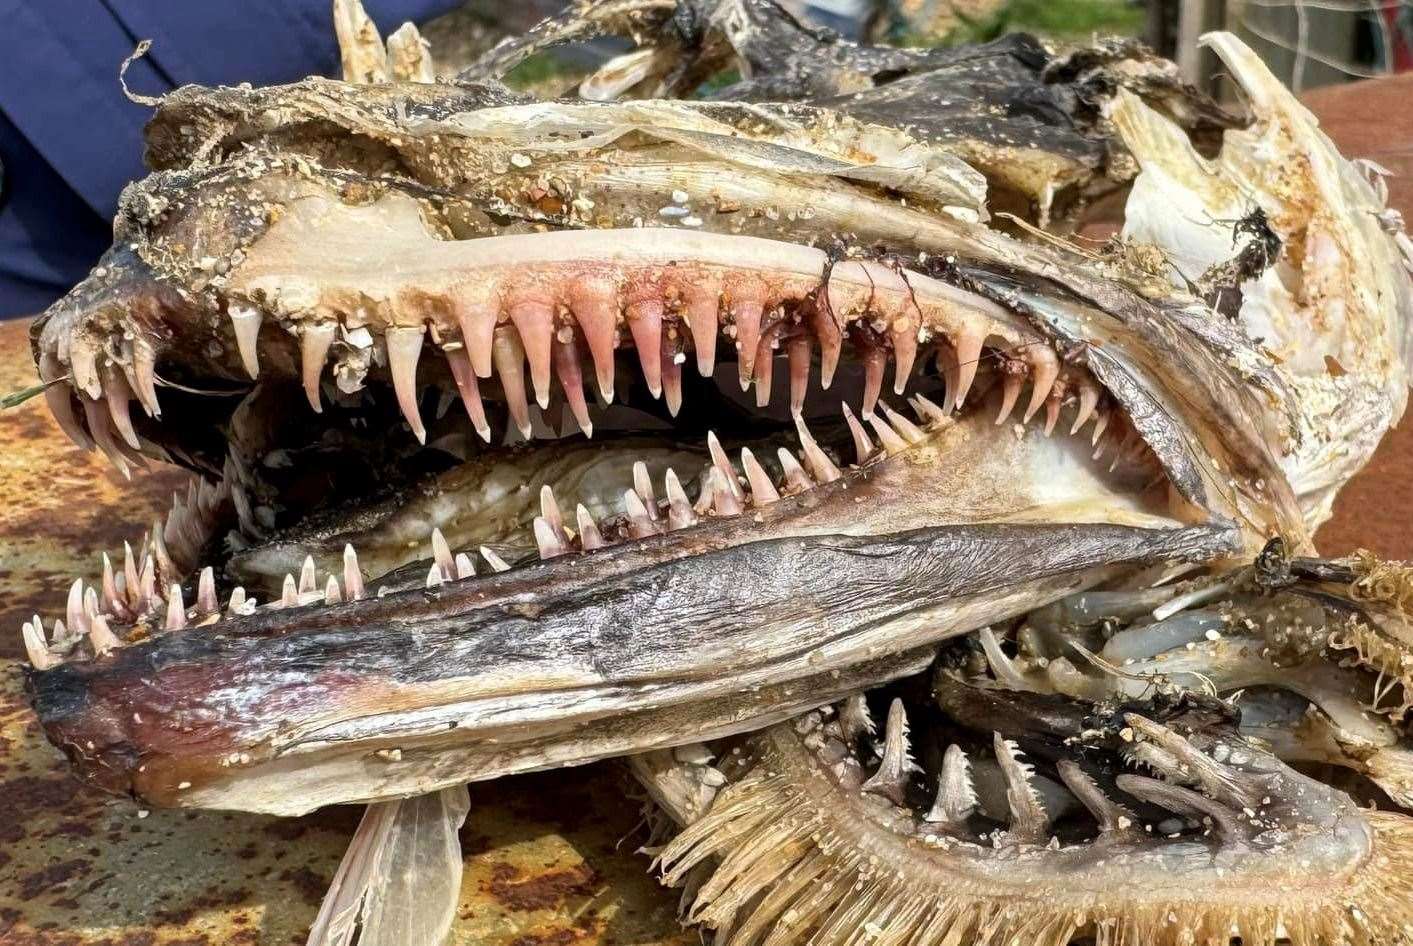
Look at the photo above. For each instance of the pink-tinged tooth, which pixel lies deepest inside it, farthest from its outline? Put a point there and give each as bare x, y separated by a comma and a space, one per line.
830, 338
547, 538
352, 576
796, 479
245, 322
820, 466
798, 351
645, 323
83, 367
892, 443
874, 360
36, 649
332, 595
549, 509
314, 343
904, 334
465, 568
680, 514
968, 348
534, 320
117, 394
90, 608
404, 348
909, 431
510, 366
1052, 414
863, 447
763, 491
308, 577
640, 524
719, 497
672, 360
594, 304
73, 610
441, 554
130, 575
1010, 391
1045, 368
702, 305
567, 367
289, 593
1099, 426
101, 636
101, 425
434, 576
147, 585
477, 315
465, 378
1088, 400
764, 372
111, 601
166, 567
746, 313
643, 486
590, 537
497, 563
927, 409
176, 610
237, 602
723, 463
144, 371
206, 601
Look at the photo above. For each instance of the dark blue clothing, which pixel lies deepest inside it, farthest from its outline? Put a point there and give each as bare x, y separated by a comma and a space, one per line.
70, 139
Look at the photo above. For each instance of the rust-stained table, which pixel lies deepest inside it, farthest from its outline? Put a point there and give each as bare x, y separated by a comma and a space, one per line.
549, 858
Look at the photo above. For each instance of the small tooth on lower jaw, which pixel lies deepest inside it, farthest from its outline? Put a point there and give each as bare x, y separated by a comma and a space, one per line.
434, 576
798, 352
909, 431
236, 605
796, 479
640, 524
549, 509
643, 486
855, 722
144, 377
968, 353
1112, 817
331, 591
1010, 393
352, 577
644, 319
245, 322
73, 609
465, 568
441, 552
465, 378
36, 648
722, 462
831, 340
206, 602
289, 595
1044, 368
956, 796
589, 536
717, 496
497, 563
404, 348
101, 636
1088, 400
314, 343
509, 358
893, 444
863, 447
176, 610
820, 466
571, 379
928, 409
762, 489
680, 514
308, 576
129, 573
1029, 821
594, 304
891, 779
874, 360
111, 601
117, 394
147, 585
534, 320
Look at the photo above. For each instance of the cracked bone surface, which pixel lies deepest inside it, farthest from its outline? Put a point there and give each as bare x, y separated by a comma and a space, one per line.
528, 433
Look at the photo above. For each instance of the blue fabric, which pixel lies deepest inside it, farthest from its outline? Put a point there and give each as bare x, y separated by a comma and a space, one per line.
70, 139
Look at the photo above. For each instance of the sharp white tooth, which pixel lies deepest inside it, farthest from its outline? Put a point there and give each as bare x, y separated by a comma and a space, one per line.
549, 509
497, 563
404, 347
289, 595
110, 586
796, 479
723, 463
36, 648
892, 443
909, 431
1010, 391
722, 500
176, 609
1028, 818
548, 539
927, 409
101, 636
1100, 426
891, 779
640, 524
130, 576
147, 585
441, 554
1045, 368
863, 447
434, 575
245, 322
314, 343
679, 508
465, 568
308, 578
237, 602
589, 535
352, 577
820, 466
73, 611
763, 491
331, 591
1088, 400
643, 486
956, 797
206, 601
144, 367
